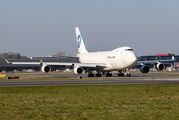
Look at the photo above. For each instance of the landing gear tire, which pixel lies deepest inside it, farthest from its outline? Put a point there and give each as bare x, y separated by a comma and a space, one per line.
90, 75
79, 77
121, 74
127, 74
109, 75
98, 75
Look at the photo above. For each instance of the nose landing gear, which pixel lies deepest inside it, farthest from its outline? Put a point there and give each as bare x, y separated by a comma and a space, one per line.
127, 74
124, 73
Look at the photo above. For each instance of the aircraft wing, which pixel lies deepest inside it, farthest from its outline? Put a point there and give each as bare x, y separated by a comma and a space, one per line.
92, 65
87, 65
65, 56
154, 61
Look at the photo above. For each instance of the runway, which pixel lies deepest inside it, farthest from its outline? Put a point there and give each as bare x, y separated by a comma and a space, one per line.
86, 82
70, 79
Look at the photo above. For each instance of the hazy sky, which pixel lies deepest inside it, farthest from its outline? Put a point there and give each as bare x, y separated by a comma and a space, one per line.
43, 27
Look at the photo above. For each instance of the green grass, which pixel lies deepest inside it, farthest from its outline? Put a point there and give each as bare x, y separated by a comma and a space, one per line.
90, 102
173, 75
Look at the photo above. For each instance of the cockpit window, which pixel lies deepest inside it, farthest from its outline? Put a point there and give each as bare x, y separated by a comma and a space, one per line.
129, 50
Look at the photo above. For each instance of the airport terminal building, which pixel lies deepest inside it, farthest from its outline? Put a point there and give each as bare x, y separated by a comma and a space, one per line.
4, 66
174, 64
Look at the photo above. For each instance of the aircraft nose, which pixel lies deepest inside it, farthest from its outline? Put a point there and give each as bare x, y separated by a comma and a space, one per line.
134, 59
131, 60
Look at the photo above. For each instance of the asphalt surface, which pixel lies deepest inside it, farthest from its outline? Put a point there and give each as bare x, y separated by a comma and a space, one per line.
137, 79
87, 82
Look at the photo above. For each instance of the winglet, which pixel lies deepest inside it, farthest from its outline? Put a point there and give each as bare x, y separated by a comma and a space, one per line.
7, 61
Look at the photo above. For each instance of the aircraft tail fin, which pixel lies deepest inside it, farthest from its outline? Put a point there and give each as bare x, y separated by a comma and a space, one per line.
80, 43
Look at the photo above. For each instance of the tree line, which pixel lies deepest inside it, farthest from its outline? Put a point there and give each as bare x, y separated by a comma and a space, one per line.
62, 54
11, 55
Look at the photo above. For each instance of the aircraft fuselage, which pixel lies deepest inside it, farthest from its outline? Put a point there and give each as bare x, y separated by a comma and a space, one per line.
118, 59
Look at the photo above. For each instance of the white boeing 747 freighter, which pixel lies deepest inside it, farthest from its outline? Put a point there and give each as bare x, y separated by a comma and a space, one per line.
121, 59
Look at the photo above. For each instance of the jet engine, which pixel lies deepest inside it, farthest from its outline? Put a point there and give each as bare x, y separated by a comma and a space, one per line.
159, 66
45, 68
144, 69
78, 70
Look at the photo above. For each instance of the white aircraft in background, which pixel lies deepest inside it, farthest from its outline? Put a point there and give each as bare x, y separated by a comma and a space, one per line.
121, 59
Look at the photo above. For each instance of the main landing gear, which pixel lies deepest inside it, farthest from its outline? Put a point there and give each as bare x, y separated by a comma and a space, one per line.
90, 75
97, 75
108, 74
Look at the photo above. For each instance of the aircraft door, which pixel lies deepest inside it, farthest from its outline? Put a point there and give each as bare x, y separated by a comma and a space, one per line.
122, 51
